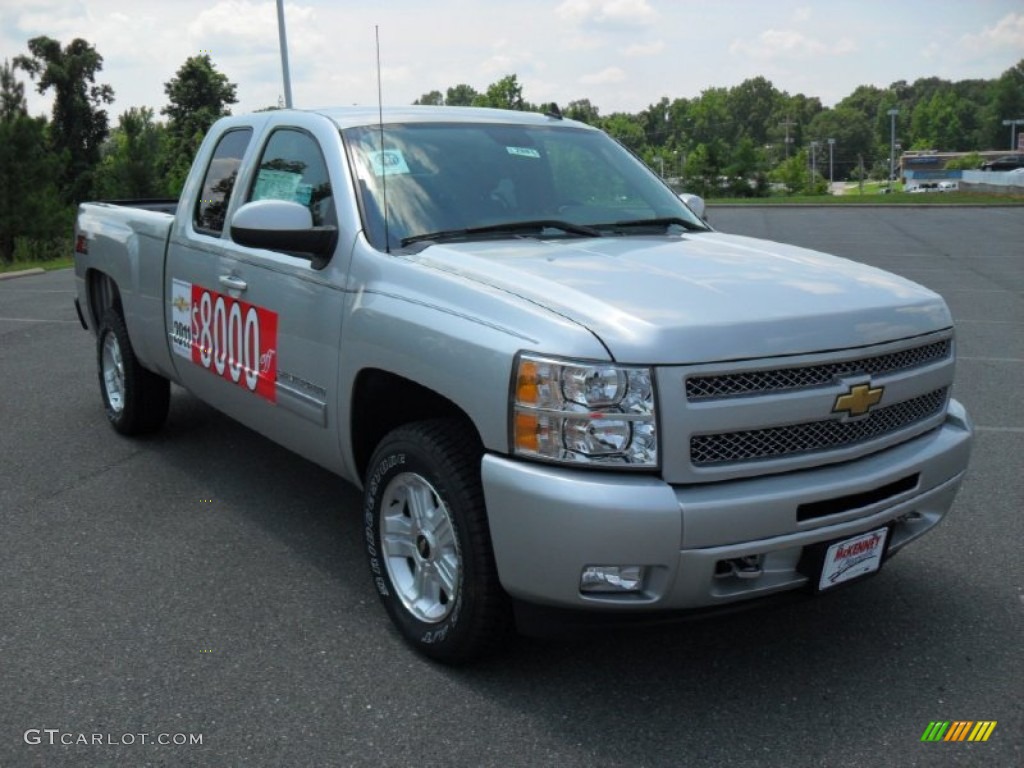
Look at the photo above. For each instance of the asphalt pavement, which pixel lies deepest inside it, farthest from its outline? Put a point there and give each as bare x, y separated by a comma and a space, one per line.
205, 583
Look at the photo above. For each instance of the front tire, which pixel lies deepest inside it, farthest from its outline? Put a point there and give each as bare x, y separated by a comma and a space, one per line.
428, 542
136, 400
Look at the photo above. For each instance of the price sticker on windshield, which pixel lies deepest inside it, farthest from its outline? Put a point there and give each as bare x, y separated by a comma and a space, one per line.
228, 337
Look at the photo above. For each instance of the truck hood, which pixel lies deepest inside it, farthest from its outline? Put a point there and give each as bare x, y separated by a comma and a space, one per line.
700, 297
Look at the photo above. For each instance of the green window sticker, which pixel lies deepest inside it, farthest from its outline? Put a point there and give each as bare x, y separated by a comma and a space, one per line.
276, 185
303, 194
523, 151
390, 162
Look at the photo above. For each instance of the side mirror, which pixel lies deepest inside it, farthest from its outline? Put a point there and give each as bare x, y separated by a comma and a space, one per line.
695, 203
285, 226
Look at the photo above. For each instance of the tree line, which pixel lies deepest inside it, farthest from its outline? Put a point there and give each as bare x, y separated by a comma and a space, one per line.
735, 141
49, 165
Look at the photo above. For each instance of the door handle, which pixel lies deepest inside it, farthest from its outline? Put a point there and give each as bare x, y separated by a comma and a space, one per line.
233, 283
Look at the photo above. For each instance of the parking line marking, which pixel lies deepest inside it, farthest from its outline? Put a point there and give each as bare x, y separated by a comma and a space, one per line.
1014, 430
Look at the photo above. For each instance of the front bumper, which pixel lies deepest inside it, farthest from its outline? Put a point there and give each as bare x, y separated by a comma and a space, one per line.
549, 523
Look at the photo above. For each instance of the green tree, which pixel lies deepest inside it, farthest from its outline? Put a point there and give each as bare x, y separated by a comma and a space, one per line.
30, 207
710, 118
130, 165
584, 111
461, 95
940, 122
506, 93
625, 128
852, 132
795, 174
752, 104
1006, 102
199, 95
704, 167
12, 94
79, 122
435, 98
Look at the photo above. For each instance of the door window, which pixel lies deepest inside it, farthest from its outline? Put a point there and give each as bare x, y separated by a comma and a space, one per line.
214, 197
293, 168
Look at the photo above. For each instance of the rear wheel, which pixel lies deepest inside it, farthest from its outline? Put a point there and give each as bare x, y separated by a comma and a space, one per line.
428, 542
136, 400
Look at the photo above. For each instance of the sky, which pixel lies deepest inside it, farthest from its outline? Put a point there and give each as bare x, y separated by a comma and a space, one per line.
621, 54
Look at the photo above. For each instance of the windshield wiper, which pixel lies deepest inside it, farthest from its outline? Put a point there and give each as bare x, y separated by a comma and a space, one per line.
664, 221
507, 228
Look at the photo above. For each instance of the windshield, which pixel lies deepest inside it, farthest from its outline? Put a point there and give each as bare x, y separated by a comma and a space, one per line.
461, 180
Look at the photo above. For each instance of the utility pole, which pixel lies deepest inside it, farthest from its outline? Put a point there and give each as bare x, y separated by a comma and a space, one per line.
284, 55
892, 144
814, 162
787, 123
831, 180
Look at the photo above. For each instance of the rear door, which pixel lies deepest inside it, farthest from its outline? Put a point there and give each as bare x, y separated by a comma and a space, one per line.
257, 332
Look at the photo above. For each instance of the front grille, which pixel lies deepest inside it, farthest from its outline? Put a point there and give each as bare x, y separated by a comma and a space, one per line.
777, 442
808, 376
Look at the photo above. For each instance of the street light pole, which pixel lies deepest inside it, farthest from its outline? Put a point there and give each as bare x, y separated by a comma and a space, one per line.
1013, 132
814, 161
892, 144
831, 146
284, 55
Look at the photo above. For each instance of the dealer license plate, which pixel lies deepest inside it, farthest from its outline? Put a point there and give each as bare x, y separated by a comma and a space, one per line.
857, 556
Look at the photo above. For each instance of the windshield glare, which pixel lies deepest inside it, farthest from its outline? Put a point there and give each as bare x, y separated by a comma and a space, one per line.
455, 176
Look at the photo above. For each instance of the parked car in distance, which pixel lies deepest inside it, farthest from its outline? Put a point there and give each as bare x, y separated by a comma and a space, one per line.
1004, 163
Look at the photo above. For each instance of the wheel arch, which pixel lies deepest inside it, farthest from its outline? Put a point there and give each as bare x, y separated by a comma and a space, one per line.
103, 293
383, 401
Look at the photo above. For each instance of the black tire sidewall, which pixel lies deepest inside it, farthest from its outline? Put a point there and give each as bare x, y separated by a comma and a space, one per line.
399, 453
146, 395
112, 324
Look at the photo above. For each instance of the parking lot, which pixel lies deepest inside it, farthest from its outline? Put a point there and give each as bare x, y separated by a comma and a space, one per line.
205, 581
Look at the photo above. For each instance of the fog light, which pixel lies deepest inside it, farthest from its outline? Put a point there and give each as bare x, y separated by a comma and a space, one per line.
612, 578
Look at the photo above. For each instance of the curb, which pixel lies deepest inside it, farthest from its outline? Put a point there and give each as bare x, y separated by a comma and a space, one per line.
22, 273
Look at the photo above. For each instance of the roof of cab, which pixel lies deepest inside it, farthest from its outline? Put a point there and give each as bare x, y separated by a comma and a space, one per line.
348, 117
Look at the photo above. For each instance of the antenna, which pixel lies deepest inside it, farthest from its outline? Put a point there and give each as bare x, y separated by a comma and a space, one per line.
383, 163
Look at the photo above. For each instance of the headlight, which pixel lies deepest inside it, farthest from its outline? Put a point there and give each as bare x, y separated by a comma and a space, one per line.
583, 413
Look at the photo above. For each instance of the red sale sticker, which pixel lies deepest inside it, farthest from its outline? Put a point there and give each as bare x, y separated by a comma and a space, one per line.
226, 336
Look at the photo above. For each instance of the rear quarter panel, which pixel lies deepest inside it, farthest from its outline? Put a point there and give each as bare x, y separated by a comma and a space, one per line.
127, 245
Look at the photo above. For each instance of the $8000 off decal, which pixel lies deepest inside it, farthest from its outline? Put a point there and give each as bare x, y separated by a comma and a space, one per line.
228, 337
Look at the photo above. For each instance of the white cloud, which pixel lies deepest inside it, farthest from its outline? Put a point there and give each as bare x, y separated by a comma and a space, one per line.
1008, 32
607, 75
239, 25
652, 48
611, 11
789, 44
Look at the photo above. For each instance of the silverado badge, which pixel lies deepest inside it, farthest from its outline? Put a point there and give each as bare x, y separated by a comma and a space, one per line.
858, 400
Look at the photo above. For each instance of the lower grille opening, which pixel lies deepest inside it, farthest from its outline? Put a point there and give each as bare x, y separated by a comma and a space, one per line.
816, 509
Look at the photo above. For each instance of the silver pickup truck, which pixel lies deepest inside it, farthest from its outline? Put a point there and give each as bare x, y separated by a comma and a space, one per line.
563, 394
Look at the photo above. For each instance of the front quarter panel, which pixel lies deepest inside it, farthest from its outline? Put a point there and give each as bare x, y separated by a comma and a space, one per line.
453, 336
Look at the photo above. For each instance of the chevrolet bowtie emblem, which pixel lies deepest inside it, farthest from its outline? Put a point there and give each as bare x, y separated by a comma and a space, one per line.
859, 400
